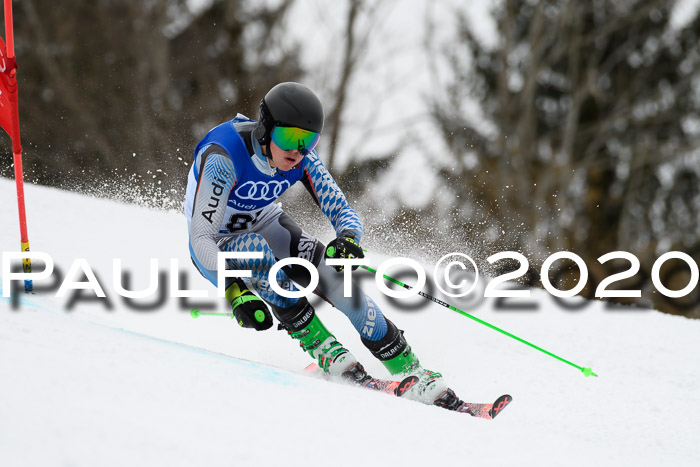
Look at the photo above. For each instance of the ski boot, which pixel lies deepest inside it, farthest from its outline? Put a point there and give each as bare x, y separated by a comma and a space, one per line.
302, 324
396, 355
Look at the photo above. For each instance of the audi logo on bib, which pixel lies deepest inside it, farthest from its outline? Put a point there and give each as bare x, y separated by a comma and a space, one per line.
262, 191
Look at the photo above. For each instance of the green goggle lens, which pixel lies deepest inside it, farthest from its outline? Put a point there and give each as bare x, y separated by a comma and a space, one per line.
290, 138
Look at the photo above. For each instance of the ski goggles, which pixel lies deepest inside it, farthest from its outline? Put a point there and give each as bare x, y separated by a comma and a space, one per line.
289, 138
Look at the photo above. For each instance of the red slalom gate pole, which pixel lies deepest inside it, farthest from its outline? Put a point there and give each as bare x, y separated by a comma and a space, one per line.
9, 118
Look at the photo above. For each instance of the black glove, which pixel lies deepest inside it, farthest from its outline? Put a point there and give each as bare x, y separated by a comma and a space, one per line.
249, 310
344, 247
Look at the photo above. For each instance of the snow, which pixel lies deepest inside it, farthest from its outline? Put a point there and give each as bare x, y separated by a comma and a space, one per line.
87, 385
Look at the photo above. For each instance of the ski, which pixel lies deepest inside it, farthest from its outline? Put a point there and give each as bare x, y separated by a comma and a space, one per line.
394, 388
487, 411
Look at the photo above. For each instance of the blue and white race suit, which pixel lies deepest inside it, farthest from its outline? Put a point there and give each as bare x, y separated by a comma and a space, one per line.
230, 206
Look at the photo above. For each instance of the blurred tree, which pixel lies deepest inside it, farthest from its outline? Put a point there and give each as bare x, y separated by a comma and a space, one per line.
125, 88
588, 135
355, 45
357, 34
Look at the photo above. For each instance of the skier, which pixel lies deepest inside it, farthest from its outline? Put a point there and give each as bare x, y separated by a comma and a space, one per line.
241, 167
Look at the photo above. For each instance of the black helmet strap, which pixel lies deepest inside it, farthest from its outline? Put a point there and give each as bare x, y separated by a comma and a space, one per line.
263, 132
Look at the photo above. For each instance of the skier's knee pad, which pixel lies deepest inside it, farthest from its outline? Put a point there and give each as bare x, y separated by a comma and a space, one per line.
297, 316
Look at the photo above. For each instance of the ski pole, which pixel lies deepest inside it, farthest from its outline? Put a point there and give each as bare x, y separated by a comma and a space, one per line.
9, 119
196, 313
587, 371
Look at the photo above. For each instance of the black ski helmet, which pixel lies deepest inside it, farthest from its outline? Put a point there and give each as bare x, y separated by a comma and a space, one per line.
288, 104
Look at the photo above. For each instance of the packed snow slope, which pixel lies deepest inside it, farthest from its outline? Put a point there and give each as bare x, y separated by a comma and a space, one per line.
116, 382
